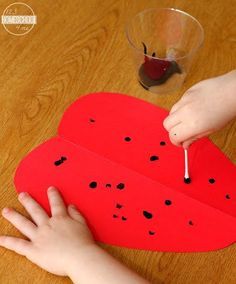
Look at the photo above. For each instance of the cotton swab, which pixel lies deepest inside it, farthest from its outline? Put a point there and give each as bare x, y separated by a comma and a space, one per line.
186, 171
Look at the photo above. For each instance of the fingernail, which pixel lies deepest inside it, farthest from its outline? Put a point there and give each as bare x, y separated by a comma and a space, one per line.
51, 188
5, 210
72, 206
22, 195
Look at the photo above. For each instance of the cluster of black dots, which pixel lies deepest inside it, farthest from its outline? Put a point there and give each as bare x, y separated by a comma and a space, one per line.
212, 181
121, 186
129, 139
94, 184
116, 216
149, 215
153, 157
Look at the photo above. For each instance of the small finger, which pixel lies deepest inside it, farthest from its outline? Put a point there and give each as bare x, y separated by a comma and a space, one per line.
24, 225
56, 202
36, 212
75, 214
183, 132
188, 143
173, 140
171, 121
179, 134
18, 245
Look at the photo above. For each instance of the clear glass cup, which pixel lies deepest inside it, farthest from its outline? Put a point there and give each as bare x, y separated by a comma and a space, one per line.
163, 43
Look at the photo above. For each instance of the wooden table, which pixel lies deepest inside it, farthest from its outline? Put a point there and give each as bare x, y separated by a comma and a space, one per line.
79, 47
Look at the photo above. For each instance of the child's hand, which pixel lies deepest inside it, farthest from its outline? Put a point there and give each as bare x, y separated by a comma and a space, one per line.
204, 108
63, 244
53, 242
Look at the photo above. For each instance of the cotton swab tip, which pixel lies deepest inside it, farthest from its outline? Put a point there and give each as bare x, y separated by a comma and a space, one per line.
187, 179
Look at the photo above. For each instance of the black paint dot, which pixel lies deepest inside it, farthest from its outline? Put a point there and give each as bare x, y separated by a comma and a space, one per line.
92, 120
119, 206
115, 216
187, 180
162, 143
147, 214
211, 180
127, 139
60, 161
151, 233
154, 158
57, 163
227, 196
123, 218
190, 223
93, 184
120, 186
168, 202
108, 185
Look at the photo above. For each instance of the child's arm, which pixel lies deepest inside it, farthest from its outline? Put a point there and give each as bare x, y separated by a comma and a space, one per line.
63, 244
204, 108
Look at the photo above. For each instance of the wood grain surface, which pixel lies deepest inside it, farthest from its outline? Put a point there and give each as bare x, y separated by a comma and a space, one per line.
79, 47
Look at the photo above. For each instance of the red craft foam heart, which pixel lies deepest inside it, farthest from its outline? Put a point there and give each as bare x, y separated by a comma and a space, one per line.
107, 140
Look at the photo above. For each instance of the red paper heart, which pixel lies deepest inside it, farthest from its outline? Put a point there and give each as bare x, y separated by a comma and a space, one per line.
113, 159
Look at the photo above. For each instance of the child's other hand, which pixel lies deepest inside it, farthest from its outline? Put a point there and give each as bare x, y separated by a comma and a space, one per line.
53, 242
203, 109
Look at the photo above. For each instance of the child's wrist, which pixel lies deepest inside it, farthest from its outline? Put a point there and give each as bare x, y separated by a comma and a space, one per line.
227, 86
81, 260
232, 79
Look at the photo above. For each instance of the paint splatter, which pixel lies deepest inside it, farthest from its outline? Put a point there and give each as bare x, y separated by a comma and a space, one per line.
119, 206
168, 202
147, 214
60, 161
154, 158
93, 184
120, 186
127, 139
